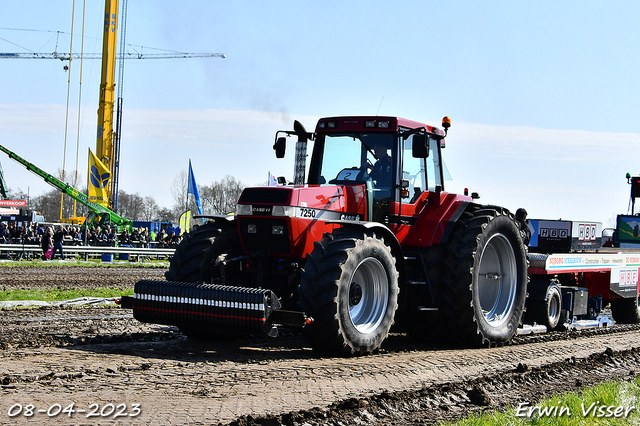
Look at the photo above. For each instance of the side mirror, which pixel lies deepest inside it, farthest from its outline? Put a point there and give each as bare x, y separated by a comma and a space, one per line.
280, 147
420, 146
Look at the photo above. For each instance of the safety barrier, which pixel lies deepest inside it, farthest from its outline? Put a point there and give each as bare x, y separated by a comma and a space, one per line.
20, 251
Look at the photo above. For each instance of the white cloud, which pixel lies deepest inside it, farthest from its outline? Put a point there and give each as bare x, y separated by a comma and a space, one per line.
156, 146
573, 174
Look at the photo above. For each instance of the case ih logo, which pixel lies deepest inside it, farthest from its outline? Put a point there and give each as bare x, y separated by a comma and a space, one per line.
554, 233
261, 210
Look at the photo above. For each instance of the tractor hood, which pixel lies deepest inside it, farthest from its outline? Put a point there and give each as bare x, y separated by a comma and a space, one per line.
278, 220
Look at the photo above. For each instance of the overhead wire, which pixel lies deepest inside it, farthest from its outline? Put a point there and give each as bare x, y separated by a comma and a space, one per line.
15, 44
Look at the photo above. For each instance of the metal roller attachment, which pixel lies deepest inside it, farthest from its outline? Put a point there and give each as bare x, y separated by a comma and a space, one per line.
173, 303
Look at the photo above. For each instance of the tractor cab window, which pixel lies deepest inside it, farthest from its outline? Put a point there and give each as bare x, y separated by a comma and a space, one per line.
422, 174
379, 165
434, 170
414, 171
361, 157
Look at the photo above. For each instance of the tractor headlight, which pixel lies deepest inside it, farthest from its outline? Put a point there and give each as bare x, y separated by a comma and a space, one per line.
289, 211
277, 229
244, 210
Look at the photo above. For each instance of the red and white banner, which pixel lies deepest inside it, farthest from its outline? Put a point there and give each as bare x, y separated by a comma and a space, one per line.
13, 203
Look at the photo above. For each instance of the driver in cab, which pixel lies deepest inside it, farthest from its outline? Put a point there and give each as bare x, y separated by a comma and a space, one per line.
381, 171
381, 175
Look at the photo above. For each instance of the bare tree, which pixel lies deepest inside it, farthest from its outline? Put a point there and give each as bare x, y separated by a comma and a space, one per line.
179, 191
151, 209
218, 198
17, 195
130, 206
221, 197
166, 215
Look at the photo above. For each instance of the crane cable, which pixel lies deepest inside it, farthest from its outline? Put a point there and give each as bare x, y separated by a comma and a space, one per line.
66, 124
66, 119
75, 180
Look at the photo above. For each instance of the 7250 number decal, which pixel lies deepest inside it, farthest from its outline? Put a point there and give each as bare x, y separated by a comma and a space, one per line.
307, 213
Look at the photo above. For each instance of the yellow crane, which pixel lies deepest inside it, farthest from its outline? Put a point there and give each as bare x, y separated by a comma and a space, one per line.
108, 134
108, 143
105, 147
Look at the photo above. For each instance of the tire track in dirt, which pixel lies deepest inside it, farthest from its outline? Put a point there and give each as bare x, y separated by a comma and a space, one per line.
177, 380
89, 355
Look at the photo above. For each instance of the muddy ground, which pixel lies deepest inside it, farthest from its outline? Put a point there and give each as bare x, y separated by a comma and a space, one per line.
119, 370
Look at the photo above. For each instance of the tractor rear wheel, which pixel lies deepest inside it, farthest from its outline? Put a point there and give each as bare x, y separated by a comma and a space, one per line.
350, 288
486, 279
184, 266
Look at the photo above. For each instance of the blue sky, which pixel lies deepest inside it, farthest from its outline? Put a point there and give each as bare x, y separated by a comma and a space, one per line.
543, 95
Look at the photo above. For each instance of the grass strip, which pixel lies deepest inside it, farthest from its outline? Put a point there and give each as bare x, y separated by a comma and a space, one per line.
56, 295
84, 263
611, 403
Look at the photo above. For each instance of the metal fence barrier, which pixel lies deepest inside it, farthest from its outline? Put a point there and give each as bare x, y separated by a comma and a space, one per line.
26, 251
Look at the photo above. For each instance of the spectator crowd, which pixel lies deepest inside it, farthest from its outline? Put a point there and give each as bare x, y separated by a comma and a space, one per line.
29, 233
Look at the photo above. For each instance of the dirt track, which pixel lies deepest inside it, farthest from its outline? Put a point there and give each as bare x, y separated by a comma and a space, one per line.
103, 356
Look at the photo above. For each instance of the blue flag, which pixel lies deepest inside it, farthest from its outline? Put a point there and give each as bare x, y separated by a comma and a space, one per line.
193, 189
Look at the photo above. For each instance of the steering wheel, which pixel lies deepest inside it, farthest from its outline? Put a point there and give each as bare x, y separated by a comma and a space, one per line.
367, 168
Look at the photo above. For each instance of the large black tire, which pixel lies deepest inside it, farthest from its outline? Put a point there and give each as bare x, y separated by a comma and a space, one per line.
224, 240
184, 266
226, 243
485, 282
626, 311
548, 309
350, 288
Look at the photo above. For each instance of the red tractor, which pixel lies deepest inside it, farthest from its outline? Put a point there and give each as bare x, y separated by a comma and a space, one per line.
371, 238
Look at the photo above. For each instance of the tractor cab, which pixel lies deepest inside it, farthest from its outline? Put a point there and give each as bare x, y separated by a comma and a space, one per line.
393, 159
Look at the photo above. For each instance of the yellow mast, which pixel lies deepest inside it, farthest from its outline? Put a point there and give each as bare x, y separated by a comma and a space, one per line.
105, 148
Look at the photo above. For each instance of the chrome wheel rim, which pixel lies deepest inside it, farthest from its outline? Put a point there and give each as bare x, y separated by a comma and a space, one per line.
368, 295
497, 280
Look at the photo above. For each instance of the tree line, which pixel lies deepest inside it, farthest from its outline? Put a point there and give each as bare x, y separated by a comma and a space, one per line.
218, 198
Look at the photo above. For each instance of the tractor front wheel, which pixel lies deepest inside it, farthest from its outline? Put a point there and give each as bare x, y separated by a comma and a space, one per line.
350, 288
214, 268
184, 265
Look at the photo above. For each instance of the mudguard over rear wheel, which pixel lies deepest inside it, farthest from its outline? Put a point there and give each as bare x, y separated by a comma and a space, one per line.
485, 282
350, 288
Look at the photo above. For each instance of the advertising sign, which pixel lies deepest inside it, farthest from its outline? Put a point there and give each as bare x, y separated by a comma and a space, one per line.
628, 229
